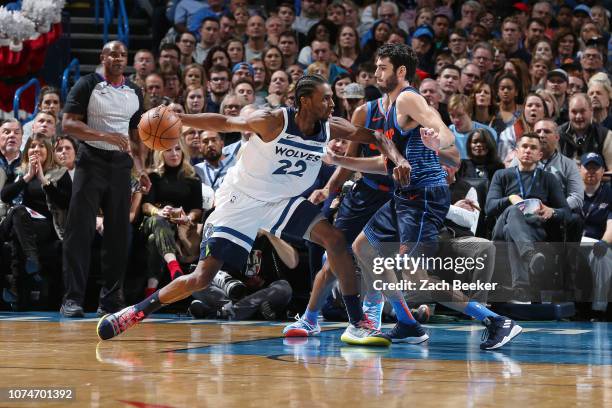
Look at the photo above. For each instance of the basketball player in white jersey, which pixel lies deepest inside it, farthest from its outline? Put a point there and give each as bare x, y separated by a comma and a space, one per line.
263, 191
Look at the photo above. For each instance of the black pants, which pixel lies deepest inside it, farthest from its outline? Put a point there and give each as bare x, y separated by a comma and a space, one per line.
101, 181
29, 232
278, 294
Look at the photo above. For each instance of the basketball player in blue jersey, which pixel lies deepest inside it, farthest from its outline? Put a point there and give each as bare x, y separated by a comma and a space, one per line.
263, 191
416, 213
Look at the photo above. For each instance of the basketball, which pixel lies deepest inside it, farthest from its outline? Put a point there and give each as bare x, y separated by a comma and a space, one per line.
159, 128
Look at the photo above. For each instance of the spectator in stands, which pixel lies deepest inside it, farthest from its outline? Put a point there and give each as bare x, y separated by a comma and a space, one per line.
186, 43
556, 83
153, 90
522, 229
580, 16
191, 141
565, 46
256, 37
469, 11
286, 12
273, 59
64, 153
551, 105
459, 108
242, 17
430, 89
482, 56
482, 160
562, 167
216, 56
511, 37
175, 199
592, 62
542, 10
543, 49
519, 69
443, 58
43, 122
195, 101
533, 33
509, 97
29, 221
235, 50
209, 37
10, 156
231, 105
341, 81
353, 96
377, 36
172, 82
242, 70
312, 12
580, 135
185, 12
470, 74
144, 64
348, 48
176, 107
261, 80
457, 43
103, 169
478, 34
227, 27
535, 109
215, 165
422, 43
323, 30
258, 289
321, 51
169, 54
288, 44
482, 103
218, 86
538, 69
245, 90
64, 156
450, 81
575, 85
274, 26
277, 89
600, 94
601, 18
296, 71
194, 75
597, 213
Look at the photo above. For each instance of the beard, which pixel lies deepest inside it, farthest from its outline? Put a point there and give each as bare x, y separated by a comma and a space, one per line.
212, 155
389, 85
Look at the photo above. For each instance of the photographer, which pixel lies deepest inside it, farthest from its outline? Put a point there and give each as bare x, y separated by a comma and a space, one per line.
259, 287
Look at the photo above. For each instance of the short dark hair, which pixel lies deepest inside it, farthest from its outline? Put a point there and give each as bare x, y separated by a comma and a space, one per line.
219, 68
531, 135
210, 18
306, 85
450, 66
400, 54
289, 33
169, 46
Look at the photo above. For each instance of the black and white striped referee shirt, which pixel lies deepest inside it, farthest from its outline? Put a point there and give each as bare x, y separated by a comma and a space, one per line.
106, 107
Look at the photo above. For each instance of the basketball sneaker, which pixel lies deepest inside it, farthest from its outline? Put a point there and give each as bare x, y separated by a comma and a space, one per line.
364, 333
374, 312
408, 333
301, 328
499, 331
114, 324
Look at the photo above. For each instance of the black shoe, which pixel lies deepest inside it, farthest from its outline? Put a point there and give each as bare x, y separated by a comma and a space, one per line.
536, 262
200, 310
267, 311
500, 330
70, 308
408, 333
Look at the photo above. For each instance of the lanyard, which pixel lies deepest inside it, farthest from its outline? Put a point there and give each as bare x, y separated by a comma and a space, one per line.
216, 173
520, 182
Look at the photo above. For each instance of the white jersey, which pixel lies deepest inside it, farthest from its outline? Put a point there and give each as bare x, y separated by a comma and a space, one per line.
282, 168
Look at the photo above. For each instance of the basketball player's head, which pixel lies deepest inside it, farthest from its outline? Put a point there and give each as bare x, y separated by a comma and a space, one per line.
314, 96
395, 63
114, 58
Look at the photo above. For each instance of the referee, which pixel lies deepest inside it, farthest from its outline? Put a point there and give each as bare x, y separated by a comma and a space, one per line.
102, 112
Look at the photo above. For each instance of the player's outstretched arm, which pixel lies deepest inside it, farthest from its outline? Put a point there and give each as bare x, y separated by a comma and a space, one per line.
262, 122
375, 165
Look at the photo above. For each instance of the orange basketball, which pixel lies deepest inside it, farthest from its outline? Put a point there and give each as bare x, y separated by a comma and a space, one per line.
159, 128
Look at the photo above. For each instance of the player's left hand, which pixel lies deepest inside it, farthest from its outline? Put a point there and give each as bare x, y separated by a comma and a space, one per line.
401, 173
431, 139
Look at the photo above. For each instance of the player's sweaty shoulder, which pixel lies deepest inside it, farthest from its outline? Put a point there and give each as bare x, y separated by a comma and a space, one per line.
267, 123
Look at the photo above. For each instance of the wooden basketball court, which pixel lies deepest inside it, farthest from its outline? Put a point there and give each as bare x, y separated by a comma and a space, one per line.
168, 361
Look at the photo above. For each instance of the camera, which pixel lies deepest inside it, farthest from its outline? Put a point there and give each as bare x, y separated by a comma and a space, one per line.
233, 288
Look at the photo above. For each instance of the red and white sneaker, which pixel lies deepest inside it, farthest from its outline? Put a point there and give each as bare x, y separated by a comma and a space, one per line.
114, 324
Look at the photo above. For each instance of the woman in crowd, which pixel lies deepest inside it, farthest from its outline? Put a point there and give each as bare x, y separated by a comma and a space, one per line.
217, 56
195, 101
482, 101
273, 59
340, 108
535, 109
519, 69
543, 49
482, 161
509, 97
324, 30
565, 46
235, 50
348, 48
175, 199
194, 76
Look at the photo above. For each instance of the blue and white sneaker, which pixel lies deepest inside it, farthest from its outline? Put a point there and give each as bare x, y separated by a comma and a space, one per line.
374, 313
301, 328
408, 333
499, 331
